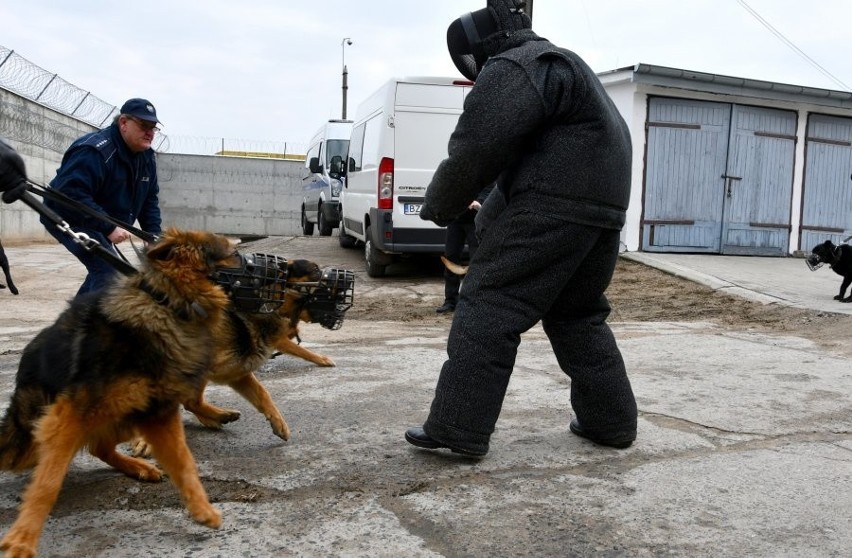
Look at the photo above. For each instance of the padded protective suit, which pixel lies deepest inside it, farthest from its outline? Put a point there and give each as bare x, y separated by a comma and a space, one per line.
539, 121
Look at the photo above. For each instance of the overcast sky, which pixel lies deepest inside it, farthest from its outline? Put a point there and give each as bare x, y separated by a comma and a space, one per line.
270, 70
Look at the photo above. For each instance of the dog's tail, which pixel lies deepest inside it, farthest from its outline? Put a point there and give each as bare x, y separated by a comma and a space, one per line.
17, 445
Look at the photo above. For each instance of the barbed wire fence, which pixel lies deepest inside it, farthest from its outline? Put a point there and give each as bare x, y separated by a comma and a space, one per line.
22, 77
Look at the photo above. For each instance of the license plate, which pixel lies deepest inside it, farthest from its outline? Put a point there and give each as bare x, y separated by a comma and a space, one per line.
411, 208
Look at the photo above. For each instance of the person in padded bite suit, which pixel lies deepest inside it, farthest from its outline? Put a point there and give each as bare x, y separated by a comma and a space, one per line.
539, 122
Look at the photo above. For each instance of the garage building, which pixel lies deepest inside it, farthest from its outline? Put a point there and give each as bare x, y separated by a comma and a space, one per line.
730, 165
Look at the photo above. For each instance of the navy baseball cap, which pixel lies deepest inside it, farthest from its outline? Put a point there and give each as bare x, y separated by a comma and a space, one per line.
141, 109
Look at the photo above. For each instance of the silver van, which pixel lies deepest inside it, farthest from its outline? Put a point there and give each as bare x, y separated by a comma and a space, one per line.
324, 165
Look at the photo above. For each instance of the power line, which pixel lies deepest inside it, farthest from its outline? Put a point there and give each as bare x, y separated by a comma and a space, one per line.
792, 46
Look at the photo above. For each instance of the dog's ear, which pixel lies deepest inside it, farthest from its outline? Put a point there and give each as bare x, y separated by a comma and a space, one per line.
160, 251
304, 268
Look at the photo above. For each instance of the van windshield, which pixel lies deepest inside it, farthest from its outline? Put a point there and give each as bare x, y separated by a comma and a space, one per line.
336, 148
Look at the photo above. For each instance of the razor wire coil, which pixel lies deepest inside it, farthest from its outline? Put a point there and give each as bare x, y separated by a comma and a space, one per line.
23, 78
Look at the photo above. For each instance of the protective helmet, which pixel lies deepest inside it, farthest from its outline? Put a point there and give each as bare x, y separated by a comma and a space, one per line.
466, 35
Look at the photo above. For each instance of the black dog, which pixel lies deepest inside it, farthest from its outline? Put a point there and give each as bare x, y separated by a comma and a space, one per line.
839, 258
4, 263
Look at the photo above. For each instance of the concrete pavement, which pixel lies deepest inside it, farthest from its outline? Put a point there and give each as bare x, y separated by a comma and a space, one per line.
744, 444
786, 281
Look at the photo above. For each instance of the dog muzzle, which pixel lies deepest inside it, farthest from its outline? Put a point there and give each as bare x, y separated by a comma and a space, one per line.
257, 285
814, 262
328, 299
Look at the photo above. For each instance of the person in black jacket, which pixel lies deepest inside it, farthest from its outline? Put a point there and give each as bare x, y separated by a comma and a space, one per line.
460, 232
114, 172
539, 122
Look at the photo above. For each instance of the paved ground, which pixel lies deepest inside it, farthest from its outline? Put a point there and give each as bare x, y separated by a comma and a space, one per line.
786, 281
744, 444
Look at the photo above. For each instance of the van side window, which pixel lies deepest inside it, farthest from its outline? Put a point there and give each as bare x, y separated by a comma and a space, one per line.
312, 152
356, 148
371, 141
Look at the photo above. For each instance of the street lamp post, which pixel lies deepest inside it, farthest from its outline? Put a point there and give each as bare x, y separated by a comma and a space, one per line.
343, 43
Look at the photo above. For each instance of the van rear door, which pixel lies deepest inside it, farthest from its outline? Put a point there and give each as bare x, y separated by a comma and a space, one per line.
424, 118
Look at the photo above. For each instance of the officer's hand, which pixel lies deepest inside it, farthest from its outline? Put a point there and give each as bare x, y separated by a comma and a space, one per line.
13, 174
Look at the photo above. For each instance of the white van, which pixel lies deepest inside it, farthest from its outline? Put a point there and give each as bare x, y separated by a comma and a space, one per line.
324, 164
399, 136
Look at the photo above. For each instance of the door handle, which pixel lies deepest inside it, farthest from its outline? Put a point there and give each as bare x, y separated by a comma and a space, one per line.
728, 180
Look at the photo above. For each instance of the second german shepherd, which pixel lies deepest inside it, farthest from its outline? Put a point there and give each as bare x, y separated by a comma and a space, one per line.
116, 364
248, 341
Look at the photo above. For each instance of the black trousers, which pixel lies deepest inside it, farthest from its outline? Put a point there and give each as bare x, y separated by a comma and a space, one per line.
459, 233
533, 266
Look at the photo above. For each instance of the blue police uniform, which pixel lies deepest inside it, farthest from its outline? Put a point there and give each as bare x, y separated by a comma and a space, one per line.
101, 172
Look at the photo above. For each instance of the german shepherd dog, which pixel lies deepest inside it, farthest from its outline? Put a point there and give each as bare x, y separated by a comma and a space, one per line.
248, 342
839, 258
4, 263
116, 364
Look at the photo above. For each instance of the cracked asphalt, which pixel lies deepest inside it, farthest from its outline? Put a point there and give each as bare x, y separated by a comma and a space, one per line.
744, 446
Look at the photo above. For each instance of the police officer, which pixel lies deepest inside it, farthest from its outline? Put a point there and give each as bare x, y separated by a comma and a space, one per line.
114, 172
539, 122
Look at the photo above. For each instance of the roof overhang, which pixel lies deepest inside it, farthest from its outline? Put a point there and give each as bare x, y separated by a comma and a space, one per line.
662, 76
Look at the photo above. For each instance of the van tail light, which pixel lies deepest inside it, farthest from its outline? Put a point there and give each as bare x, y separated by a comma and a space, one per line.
386, 183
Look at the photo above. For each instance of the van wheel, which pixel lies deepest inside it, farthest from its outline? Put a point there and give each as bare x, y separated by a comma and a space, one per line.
325, 227
307, 226
372, 257
345, 240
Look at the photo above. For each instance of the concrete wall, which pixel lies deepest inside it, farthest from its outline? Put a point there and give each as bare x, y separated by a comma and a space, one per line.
231, 195
41, 136
228, 195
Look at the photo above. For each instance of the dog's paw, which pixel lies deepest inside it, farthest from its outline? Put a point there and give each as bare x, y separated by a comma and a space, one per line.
221, 418
208, 516
18, 545
281, 430
838, 297
151, 475
325, 361
847, 299
139, 448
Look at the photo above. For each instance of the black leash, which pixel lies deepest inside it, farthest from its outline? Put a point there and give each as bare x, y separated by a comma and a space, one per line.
84, 240
50, 193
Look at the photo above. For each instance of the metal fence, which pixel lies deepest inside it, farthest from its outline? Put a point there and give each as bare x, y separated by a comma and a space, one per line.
22, 77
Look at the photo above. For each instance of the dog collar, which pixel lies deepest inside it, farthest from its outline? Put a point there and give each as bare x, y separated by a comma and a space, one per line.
162, 299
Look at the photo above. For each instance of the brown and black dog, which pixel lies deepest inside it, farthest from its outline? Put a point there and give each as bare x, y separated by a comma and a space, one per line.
245, 343
4, 264
117, 364
248, 342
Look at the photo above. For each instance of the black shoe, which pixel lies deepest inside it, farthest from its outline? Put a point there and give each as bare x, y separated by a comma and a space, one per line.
417, 437
446, 307
618, 441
